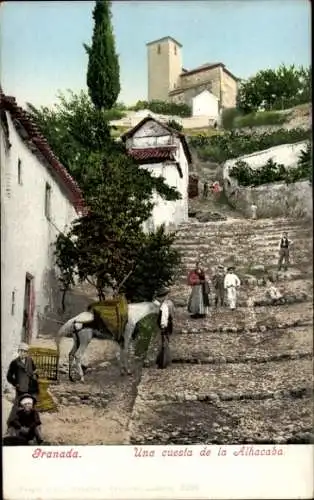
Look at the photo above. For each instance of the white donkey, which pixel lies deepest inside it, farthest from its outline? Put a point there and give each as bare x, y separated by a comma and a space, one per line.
92, 327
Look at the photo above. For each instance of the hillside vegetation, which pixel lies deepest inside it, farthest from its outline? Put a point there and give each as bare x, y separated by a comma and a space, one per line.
232, 144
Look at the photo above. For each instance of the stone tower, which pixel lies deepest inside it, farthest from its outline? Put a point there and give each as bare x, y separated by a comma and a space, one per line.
164, 60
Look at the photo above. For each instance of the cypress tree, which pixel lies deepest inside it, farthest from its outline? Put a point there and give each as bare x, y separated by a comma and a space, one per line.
103, 64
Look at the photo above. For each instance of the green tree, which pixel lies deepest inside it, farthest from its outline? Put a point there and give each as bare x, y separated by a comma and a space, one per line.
157, 265
74, 129
109, 240
281, 88
103, 64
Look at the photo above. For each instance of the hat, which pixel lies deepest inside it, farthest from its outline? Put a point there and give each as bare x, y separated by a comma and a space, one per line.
231, 268
220, 266
27, 398
23, 346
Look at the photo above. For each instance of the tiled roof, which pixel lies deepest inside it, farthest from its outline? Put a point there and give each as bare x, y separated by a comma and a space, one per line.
205, 67
36, 142
172, 131
160, 153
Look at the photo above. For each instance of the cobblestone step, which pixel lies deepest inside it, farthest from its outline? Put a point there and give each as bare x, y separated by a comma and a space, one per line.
247, 279
242, 301
268, 421
213, 347
189, 236
226, 381
256, 253
218, 320
299, 288
234, 234
257, 225
242, 376
255, 250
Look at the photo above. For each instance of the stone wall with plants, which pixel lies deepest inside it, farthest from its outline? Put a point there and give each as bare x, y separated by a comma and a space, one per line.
276, 189
274, 200
273, 171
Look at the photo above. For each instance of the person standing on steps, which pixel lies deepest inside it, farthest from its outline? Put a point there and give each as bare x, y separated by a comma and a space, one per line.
253, 211
22, 373
205, 190
165, 323
216, 189
231, 284
284, 251
198, 303
218, 282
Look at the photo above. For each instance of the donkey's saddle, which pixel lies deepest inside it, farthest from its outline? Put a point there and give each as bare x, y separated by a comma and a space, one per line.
113, 313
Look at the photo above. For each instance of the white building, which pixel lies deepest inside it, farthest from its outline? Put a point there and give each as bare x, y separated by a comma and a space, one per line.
164, 152
206, 104
39, 199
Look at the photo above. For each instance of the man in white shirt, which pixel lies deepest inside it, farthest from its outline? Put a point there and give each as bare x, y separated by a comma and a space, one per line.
165, 323
231, 283
166, 314
253, 211
284, 251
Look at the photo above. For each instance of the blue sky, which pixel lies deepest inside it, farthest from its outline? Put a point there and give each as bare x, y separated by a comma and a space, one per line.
42, 49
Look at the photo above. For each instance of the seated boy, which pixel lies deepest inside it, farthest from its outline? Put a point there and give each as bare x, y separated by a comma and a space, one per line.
25, 423
273, 293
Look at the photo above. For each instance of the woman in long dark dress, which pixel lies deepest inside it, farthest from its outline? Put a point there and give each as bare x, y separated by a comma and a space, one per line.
198, 301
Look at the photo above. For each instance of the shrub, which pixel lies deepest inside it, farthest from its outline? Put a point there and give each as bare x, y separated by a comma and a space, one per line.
304, 169
222, 147
228, 117
175, 125
164, 108
273, 172
260, 119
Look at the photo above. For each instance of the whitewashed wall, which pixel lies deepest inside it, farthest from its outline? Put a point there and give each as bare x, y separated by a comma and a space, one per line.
27, 238
205, 104
170, 213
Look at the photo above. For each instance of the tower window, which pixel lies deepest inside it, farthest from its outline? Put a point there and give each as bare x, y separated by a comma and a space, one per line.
175, 50
158, 49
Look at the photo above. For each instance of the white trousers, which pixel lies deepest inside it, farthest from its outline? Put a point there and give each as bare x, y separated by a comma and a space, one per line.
232, 297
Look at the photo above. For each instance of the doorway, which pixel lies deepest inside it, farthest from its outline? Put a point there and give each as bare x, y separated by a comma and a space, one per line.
28, 309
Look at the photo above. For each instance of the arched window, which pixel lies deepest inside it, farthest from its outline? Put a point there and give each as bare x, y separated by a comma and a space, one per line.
175, 50
158, 49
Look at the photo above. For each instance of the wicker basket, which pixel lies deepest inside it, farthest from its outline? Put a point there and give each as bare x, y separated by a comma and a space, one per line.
113, 313
47, 362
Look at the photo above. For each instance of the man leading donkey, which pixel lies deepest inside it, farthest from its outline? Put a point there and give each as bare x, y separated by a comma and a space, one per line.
165, 323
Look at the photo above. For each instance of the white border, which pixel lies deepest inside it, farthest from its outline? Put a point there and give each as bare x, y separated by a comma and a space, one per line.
114, 472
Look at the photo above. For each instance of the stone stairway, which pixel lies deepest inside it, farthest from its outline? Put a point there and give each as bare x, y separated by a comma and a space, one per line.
241, 376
